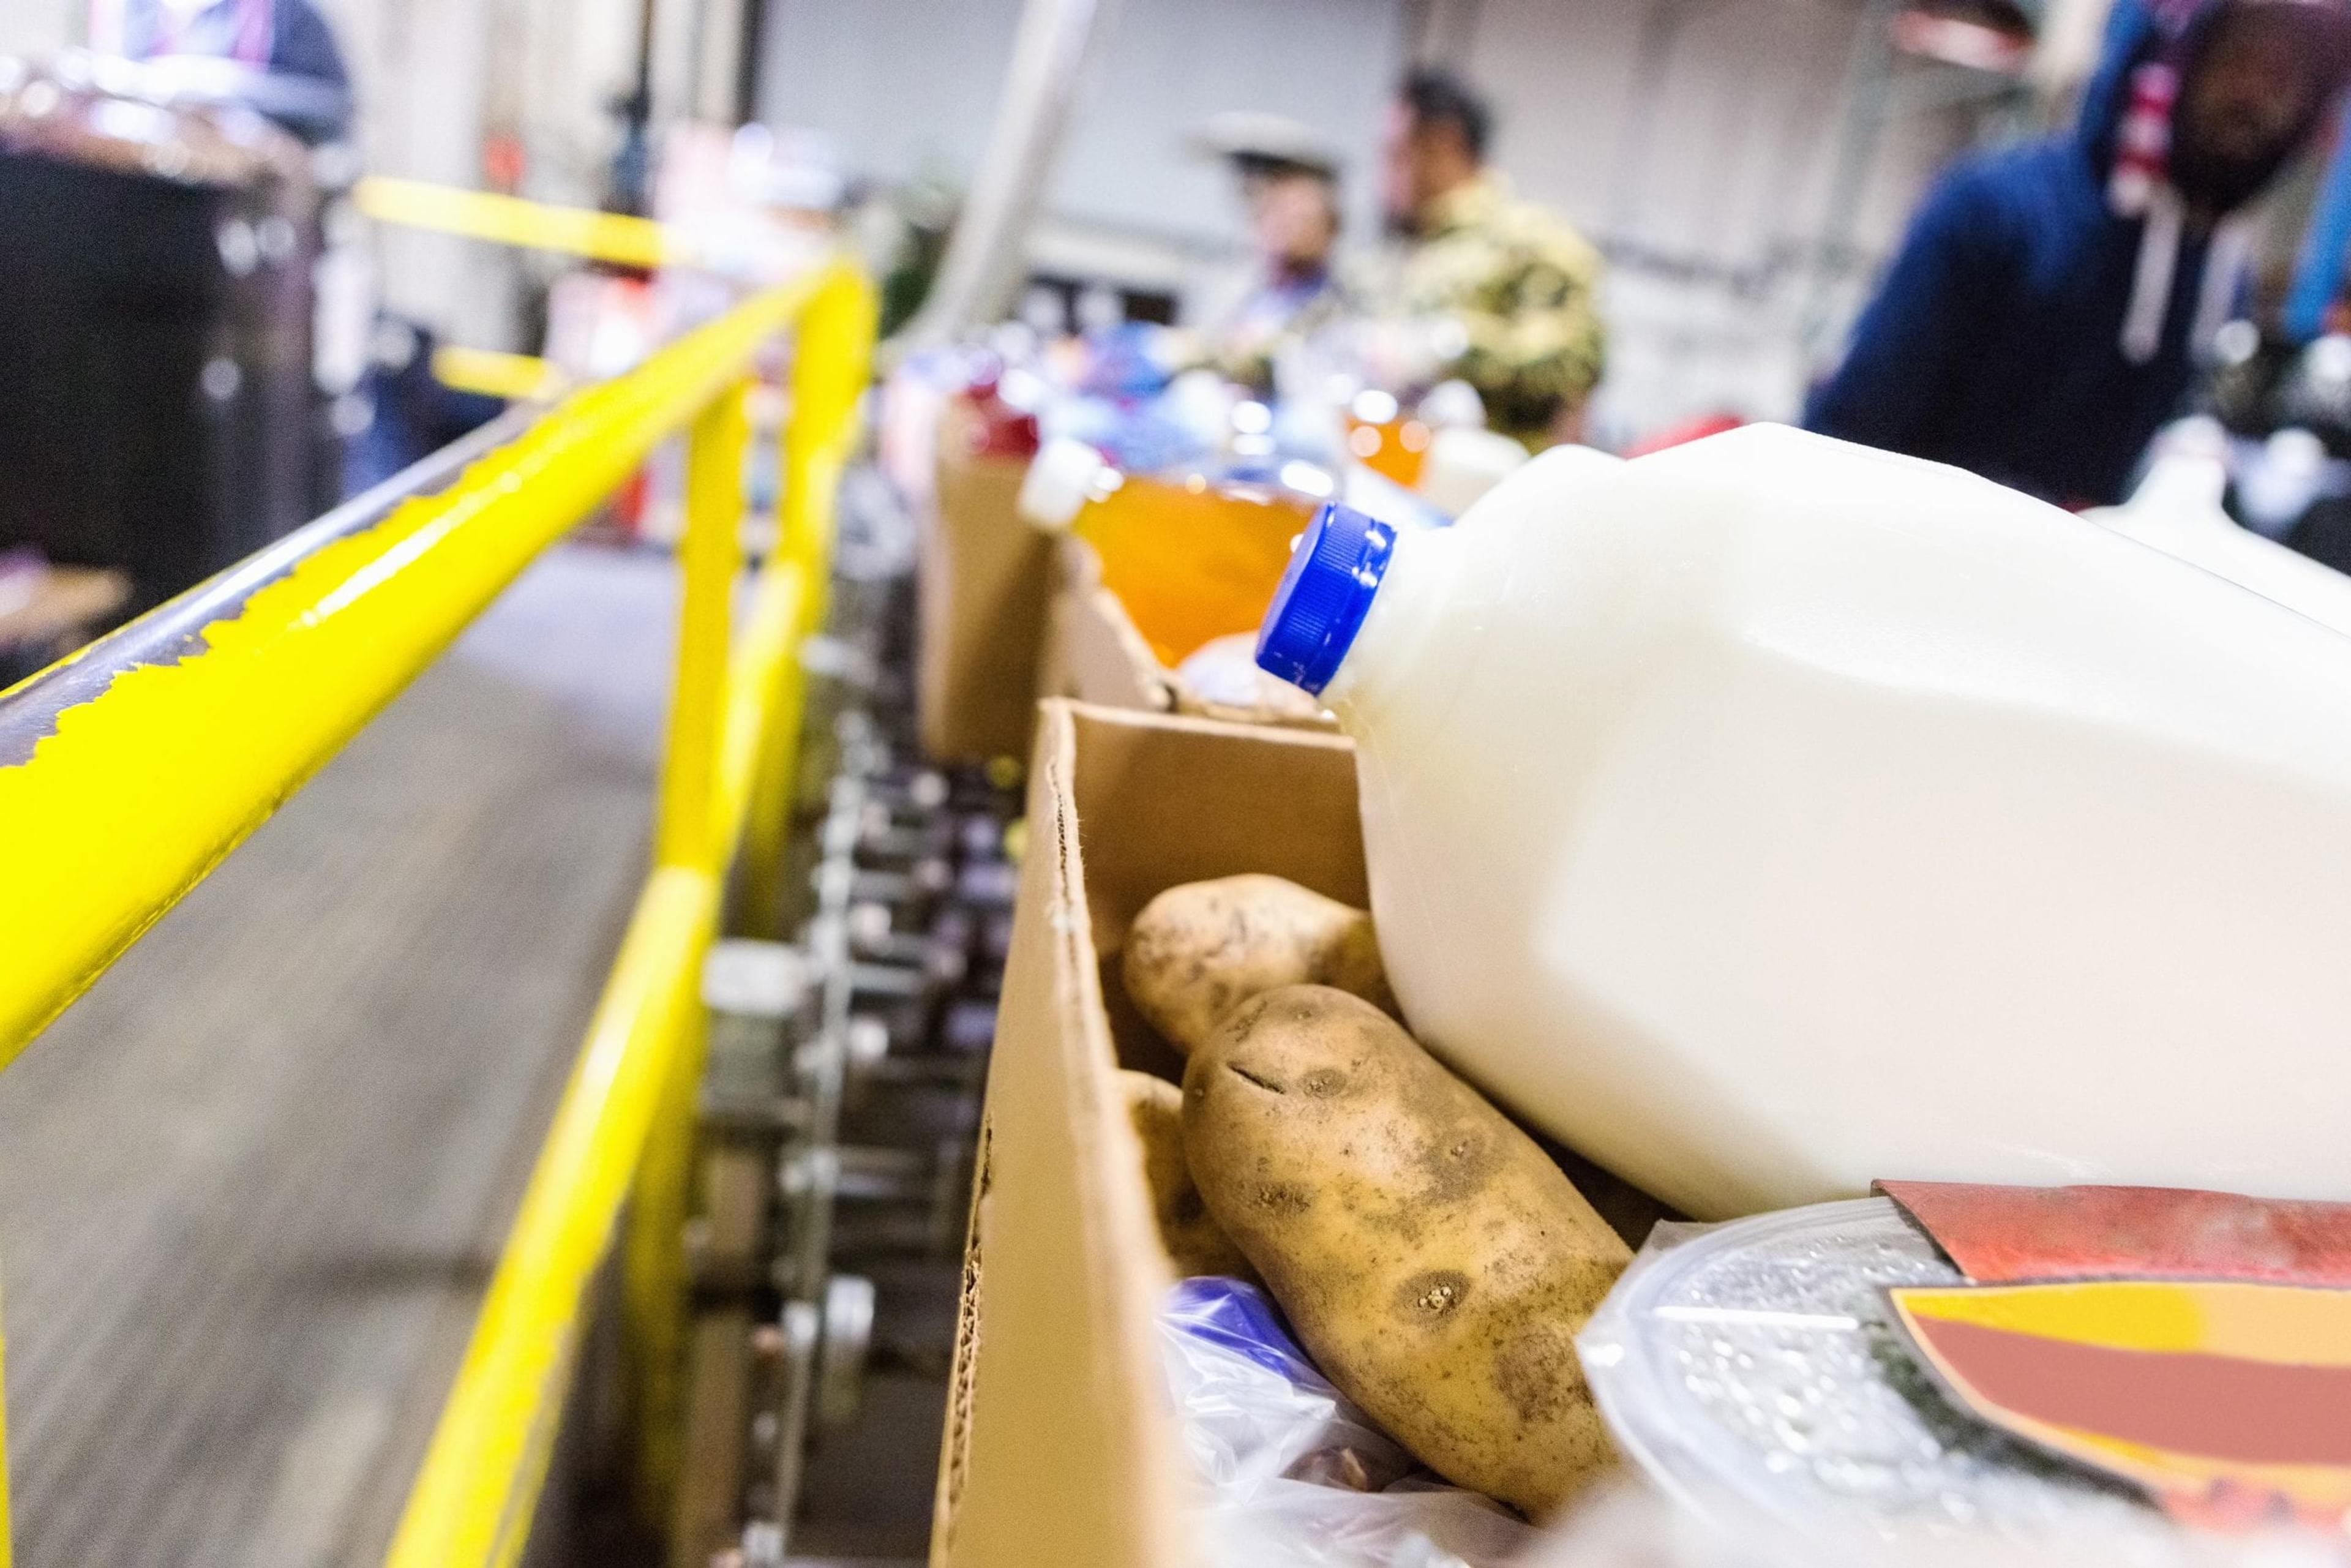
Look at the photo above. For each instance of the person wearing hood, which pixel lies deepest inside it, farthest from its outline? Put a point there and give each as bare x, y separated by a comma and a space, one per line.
279, 57
2044, 315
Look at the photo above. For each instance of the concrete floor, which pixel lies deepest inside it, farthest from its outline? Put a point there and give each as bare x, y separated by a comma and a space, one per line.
252, 1185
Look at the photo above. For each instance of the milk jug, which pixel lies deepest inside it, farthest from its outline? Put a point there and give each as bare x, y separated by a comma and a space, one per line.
1770, 814
2176, 509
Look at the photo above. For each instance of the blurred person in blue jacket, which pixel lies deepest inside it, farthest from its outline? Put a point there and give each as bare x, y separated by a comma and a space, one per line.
2042, 317
289, 65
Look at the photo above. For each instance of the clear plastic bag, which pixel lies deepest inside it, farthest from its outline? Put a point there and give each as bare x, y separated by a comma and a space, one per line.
1297, 1476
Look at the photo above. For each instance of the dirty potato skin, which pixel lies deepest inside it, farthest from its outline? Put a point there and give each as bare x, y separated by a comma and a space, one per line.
1200, 950
1436, 1264
1195, 1244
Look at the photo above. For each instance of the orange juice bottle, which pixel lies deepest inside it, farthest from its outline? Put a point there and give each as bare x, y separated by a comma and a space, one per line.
1385, 439
1191, 559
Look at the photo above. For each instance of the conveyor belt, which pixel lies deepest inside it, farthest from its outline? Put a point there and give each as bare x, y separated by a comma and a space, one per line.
251, 1186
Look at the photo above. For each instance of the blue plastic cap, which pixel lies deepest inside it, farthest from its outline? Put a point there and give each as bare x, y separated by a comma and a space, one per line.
1333, 575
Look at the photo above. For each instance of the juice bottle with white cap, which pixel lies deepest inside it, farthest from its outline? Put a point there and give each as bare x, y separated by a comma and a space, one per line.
1385, 439
1769, 815
1191, 559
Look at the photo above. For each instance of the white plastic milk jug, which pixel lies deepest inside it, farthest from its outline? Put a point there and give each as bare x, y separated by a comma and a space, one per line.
2177, 508
1770, 814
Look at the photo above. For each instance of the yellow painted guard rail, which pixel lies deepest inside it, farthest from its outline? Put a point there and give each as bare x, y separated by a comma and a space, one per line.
286, 664
518, 221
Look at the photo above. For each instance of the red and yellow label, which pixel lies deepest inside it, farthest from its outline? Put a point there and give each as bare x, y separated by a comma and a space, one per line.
2226, 1398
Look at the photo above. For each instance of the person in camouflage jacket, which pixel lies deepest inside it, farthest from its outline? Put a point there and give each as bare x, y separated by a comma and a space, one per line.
1482, 286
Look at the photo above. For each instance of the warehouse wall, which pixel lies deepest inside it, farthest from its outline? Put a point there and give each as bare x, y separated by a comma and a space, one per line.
1693, 139
909, 86
418, 71
1696, 139
36, 28
435, 78
1700, 126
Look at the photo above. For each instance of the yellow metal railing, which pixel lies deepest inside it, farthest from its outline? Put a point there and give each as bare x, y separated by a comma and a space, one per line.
490, 372
266, 688
518, 221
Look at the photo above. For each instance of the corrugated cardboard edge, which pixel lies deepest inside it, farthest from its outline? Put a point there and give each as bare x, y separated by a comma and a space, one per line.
983, 581
1095, 654
1087, 658
1061, 1446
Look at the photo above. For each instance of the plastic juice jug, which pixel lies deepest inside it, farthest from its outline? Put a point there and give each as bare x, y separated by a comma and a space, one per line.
2177, 508
1190, 560
1385, 440
1769, 815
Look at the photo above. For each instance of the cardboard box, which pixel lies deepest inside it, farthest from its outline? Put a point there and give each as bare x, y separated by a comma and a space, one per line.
1061, 1445
983, 581
1093, 653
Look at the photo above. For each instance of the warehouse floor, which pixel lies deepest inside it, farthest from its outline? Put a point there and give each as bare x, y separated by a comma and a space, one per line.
254, 1181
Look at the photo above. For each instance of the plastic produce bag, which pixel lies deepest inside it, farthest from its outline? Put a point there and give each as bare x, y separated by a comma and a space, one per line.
1297, 1476
1630, 1526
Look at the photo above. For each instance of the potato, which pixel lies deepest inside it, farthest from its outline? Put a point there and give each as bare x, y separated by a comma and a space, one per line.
1433, 1260
1200, 950
1195, 1242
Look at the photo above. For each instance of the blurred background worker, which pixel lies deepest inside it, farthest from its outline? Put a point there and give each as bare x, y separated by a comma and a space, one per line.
1479, 286
279, 56
1289, 183
2044, 315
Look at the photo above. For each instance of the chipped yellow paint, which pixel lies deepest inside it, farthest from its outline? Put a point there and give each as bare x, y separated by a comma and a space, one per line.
139, 792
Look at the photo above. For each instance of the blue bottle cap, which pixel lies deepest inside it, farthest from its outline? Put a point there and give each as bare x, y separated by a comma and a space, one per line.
1334, 573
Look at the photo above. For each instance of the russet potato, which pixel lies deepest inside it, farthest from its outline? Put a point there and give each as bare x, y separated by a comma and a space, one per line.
1433, 1260
1200, 950
1195, 1244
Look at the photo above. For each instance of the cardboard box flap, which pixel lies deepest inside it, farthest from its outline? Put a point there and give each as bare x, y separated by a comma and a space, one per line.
1095, 653
1061, 1445
1219, 798
983, 581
